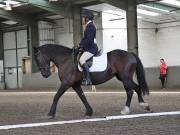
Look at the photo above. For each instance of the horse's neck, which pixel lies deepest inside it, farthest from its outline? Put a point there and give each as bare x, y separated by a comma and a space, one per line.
59, 60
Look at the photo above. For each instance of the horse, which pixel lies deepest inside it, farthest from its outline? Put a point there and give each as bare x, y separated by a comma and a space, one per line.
120, 64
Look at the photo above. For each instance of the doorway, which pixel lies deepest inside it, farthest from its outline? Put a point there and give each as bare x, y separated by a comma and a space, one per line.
15, 48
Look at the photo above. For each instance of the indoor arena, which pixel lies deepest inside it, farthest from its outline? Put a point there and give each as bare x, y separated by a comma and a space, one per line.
89, 67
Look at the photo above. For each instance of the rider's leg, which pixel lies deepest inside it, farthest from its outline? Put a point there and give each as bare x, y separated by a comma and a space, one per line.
162, 81
85, 56
86, 74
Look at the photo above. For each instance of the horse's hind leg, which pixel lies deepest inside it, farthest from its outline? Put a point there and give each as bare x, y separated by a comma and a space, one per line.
129, 91
142, 104
81, 95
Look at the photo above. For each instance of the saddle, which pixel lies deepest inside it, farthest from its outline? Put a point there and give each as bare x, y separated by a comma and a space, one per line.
98, 63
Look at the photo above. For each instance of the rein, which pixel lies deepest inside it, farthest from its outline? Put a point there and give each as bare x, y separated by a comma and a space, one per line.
75, 57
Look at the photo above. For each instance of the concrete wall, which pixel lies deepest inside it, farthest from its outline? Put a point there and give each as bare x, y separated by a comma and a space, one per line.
168, 43
99, 34
1, 75
147, 43
159, 41
153, 44
152, 74
36, 81
64, 32
114, 32
46, 33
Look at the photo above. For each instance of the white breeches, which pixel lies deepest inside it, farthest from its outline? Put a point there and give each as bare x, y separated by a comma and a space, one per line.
84, 57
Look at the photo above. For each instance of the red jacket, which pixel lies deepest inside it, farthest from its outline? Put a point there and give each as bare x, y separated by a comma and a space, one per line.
163, 69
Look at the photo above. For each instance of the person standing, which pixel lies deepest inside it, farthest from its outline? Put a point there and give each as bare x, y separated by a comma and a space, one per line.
163, 72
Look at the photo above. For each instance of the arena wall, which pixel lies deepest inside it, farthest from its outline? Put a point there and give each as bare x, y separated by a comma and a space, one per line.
36, 81
155, 41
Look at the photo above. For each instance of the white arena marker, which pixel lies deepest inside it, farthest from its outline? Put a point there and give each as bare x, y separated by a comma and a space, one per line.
30, 125
108, 92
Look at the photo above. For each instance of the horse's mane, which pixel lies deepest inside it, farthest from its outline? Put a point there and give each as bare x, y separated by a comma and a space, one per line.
55, 49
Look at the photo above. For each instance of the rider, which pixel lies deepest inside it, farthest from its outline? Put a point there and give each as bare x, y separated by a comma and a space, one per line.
88, 45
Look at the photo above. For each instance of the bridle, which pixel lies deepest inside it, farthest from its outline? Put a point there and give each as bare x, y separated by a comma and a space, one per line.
44, 61
46, 67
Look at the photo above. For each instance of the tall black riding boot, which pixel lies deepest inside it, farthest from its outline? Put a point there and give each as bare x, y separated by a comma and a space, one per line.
87, 78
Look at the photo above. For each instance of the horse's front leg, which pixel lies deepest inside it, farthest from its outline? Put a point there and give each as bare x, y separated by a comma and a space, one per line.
59, 93
80, 93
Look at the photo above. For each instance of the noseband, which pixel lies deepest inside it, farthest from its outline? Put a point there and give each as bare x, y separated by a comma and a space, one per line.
46, 67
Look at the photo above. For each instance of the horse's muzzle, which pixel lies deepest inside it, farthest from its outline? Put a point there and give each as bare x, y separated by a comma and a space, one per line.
46, 75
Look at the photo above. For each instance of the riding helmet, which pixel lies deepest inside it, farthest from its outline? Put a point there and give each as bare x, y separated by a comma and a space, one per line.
88, 14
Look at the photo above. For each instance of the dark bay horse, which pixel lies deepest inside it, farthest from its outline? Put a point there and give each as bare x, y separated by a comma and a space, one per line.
121, 64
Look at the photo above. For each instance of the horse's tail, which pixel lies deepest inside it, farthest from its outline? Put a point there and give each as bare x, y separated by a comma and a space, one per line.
141, 76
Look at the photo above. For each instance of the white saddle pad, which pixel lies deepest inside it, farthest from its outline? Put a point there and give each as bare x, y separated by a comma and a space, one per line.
99, 64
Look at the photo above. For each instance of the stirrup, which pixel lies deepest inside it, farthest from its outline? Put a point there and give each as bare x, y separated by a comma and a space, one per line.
85, 82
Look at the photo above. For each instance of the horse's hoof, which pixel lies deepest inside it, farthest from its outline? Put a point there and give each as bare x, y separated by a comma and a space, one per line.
88, 113
125, 110
151, 111
145, 106
50, 116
